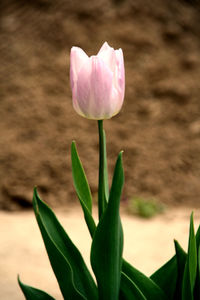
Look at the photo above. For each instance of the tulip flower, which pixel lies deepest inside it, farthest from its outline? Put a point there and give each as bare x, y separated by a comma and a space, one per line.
97, 82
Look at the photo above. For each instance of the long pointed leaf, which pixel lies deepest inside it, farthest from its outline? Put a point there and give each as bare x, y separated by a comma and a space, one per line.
181, 257
190, 271
197, 284
198, 237
166, 277
82, 189
73, 277
129, 290
107, 245
32, 293
148, 287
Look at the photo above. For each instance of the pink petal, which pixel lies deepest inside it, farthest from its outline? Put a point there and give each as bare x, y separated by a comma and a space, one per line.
120, 72
107, 54
94, 87
83, 89
104, 47
77, 58
101, 81
117, 101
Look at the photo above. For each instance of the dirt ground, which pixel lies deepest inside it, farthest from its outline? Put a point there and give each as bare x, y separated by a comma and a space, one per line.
158, 127
147, 245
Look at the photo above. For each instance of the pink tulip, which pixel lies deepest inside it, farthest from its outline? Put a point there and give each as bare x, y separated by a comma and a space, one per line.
97, 82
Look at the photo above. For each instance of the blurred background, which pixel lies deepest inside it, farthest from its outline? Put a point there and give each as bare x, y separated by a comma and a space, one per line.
158, 127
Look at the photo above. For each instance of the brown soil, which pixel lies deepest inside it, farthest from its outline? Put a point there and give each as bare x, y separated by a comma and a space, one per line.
158, 127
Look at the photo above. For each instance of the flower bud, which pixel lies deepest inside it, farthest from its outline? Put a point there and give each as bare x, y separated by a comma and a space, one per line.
97, 82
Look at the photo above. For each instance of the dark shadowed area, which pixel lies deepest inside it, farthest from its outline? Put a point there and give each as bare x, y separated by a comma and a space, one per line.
158, 127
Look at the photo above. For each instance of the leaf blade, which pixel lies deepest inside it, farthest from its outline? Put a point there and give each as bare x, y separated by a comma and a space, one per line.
69, 268
189, 276
32, 293
197, 284
166, 277
129, 290
82, 188
181, 257
148, 287
107, 245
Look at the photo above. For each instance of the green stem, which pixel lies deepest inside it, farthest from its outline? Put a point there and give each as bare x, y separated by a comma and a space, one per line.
106, 185
101, 197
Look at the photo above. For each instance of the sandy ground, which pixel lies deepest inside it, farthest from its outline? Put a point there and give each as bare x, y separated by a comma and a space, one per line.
148, 244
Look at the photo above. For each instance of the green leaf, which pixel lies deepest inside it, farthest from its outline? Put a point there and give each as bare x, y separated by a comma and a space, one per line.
166, 277
32, 293
106, 185
198, 237
197, 283
147, 286
73, 277
107, 245
181, 257
190, 271
82, 189
129, 290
